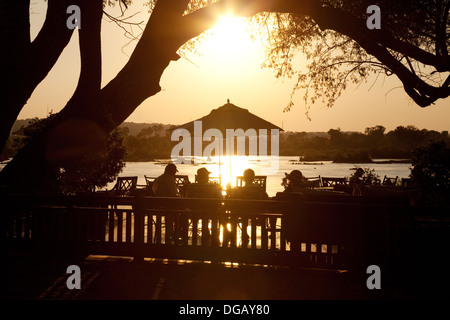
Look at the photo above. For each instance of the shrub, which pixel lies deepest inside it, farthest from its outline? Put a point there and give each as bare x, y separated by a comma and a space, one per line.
79, 161
430, 173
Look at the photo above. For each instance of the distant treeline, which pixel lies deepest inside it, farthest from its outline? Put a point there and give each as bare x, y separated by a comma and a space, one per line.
146, 142
151, 142
154, 142
374, 143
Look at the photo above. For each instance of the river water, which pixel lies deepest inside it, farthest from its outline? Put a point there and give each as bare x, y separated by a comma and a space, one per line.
235, 167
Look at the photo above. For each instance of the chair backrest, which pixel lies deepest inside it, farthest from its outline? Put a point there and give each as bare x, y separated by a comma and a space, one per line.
211, 179
315, 182
390, 181
125, 186
406, 182
149, 180
149, 184
182, 182
331, 182
258, 181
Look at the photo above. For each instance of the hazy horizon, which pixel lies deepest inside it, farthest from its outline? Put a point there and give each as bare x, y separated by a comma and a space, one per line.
285, 131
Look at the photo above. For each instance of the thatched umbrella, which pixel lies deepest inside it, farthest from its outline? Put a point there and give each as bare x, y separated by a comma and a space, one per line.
230, 116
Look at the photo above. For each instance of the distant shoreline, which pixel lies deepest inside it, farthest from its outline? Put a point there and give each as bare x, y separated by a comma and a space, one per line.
392, 161
316, 162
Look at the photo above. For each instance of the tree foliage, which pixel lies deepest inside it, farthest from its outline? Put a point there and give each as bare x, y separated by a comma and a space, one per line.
431, 173
96, 161
412, 44
149, 144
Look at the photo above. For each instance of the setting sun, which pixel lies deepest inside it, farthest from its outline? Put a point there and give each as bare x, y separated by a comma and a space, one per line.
231, 167
229, 39
225, 150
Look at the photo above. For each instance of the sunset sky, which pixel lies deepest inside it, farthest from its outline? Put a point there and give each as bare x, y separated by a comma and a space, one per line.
229, 67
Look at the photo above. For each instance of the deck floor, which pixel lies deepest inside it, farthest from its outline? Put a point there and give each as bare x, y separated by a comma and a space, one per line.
30, 277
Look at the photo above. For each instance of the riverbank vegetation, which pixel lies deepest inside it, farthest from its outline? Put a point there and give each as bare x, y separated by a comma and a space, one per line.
146, 142
362, 147
427, 150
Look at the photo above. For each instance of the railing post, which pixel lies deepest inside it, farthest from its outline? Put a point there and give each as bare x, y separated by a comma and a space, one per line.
139, 210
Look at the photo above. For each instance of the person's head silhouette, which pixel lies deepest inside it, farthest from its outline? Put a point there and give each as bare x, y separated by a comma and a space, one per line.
249, 176
202, 175
171, 169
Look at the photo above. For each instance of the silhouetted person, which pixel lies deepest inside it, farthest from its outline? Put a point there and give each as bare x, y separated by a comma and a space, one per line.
295, 182
165, 185
250, 190
203, 188
249, 177
356, 181
357, 177
202, 176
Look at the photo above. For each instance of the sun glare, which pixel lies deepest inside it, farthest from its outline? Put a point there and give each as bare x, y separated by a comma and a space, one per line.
228, 168
229, 37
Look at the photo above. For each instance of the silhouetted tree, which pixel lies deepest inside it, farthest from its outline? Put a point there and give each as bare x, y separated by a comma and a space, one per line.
337, 137
332, 34
84, 168
412, 43
149, 144
431, 173
25, 64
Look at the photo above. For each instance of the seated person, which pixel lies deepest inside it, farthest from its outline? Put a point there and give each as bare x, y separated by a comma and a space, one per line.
249, 177
165, 185
295, 182
203, 188
250, 190
358, 176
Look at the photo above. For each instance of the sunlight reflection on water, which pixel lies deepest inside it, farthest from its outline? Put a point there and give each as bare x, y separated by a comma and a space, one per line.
230, 169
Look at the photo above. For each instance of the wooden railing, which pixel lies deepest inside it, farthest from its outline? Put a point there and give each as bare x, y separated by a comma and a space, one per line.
337, 235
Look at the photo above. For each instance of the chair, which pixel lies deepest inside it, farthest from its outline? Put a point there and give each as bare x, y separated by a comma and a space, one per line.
182, 182
149, 184
314, 182
389, 181
149, 180
258, 181
331, 182
406, 182
217, 180
125, 186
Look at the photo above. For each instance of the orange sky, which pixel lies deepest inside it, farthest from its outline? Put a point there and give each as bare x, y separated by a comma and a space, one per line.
229, 67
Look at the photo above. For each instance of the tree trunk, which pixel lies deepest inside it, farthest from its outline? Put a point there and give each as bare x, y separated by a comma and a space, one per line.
92, 114
25, 64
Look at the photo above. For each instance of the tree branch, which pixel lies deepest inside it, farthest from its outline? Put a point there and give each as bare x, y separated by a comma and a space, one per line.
51, 39
89, 82
376, 42
14, 25
139, 78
